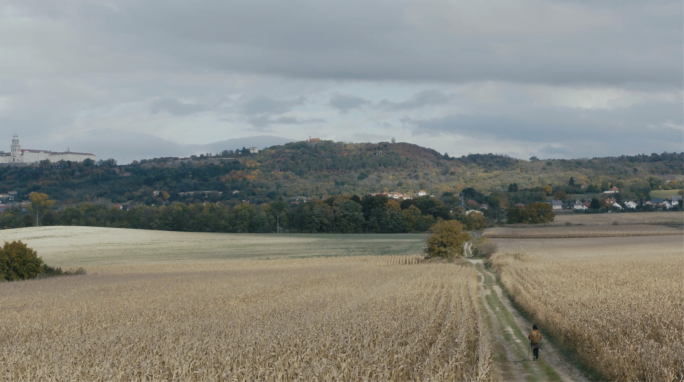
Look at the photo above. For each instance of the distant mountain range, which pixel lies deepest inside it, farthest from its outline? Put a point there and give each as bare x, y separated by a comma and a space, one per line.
129, 146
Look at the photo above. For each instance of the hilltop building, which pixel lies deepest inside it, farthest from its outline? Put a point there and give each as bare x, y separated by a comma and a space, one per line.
18, 155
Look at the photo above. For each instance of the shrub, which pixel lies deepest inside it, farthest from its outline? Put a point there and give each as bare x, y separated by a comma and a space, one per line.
447, 239
484, 247
48, 271
19, 262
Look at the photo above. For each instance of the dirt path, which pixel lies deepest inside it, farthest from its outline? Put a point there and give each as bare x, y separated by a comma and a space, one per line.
511, 353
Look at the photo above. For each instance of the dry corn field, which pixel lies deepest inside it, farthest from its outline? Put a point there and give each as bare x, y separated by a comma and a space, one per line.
665, 217
336, 319
580, 231
623, 314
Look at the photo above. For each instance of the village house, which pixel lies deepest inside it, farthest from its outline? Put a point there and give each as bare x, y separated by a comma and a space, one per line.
613, 190
557, 205
579, 206
253, 150
630, 204
422, 193
611, 201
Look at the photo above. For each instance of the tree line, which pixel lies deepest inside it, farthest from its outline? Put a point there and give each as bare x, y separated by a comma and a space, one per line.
337, 214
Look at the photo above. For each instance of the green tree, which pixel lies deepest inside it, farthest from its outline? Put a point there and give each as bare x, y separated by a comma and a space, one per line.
559, 195
476, 222
40, 203
595, 204
515, 215
539, 213
19, 262
447, 239
534, 213
411, 218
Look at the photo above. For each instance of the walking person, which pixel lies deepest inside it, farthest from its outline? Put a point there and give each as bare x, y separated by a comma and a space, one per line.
535, 338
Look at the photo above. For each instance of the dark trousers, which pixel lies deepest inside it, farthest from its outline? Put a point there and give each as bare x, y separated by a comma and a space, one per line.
535, 352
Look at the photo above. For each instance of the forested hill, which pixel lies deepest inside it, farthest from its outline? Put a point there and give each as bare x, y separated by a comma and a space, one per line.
328, 168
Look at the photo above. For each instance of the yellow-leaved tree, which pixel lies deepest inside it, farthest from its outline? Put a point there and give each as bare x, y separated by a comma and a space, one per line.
40, 204
447, 239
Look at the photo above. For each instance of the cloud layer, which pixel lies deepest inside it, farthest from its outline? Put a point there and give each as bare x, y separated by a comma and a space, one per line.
528, 77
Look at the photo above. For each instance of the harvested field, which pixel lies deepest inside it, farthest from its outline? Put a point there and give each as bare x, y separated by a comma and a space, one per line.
89, 246
333, 319
617, 303
592, 248
580, 231
662, 218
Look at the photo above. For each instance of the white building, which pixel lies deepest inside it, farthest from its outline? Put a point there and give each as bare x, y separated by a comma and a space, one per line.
630, 204
19, 155
579, 206
253, 150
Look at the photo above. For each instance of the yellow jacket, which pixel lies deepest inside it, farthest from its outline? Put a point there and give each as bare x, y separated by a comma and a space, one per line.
535, 337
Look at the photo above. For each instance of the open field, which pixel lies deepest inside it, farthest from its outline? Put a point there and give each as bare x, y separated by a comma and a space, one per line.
662, 218
88, 246
325, 319
580, 231
663, 193
617, 302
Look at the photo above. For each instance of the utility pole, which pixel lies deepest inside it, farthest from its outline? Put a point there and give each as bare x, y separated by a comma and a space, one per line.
277, 222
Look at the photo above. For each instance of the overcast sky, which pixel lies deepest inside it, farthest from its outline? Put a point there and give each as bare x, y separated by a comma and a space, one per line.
555, 79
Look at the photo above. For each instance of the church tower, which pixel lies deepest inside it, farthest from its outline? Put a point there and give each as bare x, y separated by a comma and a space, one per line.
16, 149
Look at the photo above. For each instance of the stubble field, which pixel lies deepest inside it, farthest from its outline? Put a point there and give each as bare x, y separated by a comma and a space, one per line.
662, 218
93, 246
580, 231
333, 319
617, 303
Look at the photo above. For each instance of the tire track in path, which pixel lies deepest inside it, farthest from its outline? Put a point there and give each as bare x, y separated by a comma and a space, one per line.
512, 354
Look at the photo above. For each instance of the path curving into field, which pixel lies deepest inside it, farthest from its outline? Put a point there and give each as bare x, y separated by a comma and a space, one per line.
510, 351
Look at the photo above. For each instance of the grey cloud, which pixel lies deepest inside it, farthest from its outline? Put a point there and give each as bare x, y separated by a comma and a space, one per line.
263, 122
611, 132
268, 106
297, 121
533, 42
417, 101
344, 103
175, 107
260, 111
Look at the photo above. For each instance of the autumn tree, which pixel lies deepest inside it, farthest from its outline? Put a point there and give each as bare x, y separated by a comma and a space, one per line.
534, 213
19, 262
559, 195
447, 239
476, 221
40, 203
